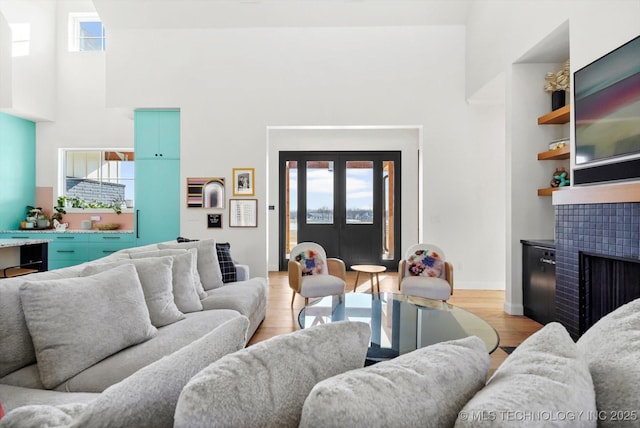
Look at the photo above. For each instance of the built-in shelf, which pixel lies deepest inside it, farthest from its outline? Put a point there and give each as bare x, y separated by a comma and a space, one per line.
549, 190
556, 117
557, 154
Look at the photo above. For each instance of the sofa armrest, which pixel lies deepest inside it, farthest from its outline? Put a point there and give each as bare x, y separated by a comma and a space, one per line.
242, 272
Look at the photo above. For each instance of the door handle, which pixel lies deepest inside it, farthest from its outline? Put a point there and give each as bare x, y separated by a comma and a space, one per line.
547, 261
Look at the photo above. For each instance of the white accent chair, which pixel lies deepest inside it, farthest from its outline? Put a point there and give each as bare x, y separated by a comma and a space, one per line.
424, 272
312, 274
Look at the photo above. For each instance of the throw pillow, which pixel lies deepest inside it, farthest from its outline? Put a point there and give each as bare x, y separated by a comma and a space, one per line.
208, 267
611, 348
543, 376
425, 263
157, 282
76, 322
266, 383
426, 387
148, 397
185, 291
227, 266
312, 262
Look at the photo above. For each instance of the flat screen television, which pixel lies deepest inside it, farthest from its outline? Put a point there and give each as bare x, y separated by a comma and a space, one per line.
607, 117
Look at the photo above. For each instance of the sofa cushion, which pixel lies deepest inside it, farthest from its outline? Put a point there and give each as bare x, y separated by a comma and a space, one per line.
208, 267
185, 288
13, 397
41, 416
227, 267
76, 322
169, 339
266, 383
544, 375
16, 346
154, 390
156, 278
247, 297
611, 348
426, 387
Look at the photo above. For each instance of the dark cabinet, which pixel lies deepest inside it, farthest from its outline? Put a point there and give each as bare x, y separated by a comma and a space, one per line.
539, 282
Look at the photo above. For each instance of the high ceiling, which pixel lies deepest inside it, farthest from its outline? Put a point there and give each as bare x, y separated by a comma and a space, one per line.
129, 14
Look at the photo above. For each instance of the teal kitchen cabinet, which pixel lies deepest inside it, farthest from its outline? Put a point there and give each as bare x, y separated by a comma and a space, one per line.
157, 134
104, 244
157, 147
67, 249
17, 169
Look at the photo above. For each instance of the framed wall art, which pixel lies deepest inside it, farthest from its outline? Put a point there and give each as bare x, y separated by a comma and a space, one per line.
243, 181
205, 192
243, 213
214, 221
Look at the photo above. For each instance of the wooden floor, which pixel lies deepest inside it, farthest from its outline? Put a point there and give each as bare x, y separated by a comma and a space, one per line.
282, 318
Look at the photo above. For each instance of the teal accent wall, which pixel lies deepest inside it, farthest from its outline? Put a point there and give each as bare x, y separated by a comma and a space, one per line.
17, 169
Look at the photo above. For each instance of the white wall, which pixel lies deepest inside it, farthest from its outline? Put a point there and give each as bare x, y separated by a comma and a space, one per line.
82, 119
231, 84
33, 76
6, 78
496, 40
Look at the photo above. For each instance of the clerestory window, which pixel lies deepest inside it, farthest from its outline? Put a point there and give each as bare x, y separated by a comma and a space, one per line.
86, 32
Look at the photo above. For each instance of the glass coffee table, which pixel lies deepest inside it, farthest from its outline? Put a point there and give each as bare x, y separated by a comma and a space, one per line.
399, 323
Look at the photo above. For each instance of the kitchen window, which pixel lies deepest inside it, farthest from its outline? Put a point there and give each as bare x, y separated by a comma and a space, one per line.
101, 177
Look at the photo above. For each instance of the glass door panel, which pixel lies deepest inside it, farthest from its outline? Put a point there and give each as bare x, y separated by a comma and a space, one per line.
359, 194
319, 197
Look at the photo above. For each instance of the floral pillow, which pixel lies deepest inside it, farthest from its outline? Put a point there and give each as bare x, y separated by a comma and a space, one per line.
311, 261
425, 263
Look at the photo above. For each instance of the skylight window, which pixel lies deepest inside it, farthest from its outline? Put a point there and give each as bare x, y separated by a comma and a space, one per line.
86, 33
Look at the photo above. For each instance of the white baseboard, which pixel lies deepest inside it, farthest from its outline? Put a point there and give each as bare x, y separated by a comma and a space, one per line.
513, 309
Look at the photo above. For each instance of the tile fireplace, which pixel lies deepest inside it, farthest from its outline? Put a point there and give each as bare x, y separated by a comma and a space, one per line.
604, 230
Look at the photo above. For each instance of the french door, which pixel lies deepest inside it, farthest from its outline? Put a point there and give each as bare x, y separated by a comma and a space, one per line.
348, 202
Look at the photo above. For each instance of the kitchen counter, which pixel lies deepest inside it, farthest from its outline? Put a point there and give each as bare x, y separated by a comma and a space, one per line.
6, 243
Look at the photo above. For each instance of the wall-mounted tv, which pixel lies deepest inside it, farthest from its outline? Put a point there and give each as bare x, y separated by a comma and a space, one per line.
607, 117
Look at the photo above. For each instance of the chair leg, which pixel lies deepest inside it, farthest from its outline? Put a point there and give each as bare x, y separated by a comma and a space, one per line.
293, 298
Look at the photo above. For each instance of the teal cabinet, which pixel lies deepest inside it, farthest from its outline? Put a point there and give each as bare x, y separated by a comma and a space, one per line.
17, 169
157, 147
69, 249
157, 134
104, 244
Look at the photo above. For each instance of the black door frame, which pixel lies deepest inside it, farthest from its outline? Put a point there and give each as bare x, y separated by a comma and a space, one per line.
377, 157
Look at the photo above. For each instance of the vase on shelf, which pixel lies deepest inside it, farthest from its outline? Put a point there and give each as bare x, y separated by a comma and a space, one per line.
558, 99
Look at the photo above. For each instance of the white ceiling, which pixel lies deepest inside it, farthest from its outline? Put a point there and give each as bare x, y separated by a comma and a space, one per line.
279, 13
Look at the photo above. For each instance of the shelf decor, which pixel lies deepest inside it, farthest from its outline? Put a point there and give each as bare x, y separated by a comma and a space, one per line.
207, 192
558, 84
243, 213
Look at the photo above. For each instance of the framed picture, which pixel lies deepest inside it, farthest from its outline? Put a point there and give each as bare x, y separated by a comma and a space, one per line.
205, 192
243, 182
214, 221
243, 212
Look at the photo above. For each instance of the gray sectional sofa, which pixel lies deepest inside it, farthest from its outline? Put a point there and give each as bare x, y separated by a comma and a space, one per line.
76, 335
